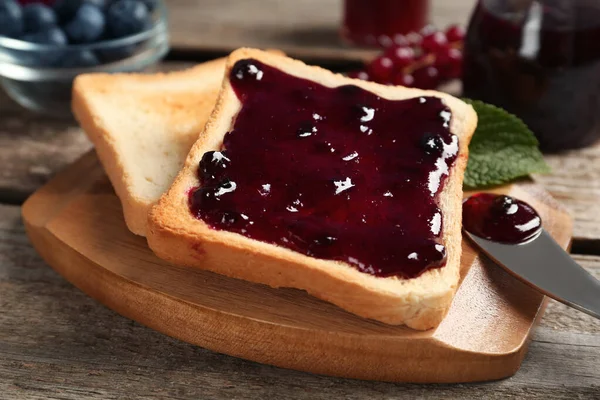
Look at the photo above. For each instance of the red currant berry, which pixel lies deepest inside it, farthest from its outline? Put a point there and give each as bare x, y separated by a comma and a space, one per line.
427, 30
426, 77
413, 38
406, 80
455, 33
449, 62
385, 41
401, 40
401, 56
380, 69
362, 75
433, 43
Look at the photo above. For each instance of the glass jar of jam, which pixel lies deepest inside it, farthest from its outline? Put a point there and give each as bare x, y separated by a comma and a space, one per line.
541, 61
379, 22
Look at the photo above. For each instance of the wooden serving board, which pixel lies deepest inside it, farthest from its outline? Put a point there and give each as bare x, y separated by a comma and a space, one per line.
75, 223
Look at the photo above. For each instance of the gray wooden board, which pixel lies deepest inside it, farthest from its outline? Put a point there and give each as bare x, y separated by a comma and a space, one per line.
575, 182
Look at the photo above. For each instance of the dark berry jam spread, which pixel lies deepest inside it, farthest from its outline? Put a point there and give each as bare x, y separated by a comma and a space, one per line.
333, 173
500, 218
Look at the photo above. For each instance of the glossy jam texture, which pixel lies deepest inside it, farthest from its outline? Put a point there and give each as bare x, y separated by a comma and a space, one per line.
500, 218
333, 173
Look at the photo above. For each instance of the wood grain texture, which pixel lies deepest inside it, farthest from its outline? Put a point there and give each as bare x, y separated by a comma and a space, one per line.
308, 29
56, 342
575, 182
76, 224
32, 148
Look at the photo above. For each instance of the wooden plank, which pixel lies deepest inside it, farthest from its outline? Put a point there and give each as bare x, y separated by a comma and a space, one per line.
32, 148
575, 181
307, 29
55, 342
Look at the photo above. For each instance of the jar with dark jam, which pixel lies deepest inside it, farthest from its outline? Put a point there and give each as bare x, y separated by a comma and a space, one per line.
539, 60
382, 22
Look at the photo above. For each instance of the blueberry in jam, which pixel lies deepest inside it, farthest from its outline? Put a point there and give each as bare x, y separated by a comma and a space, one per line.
334, 173
213, 166
503, 204
432, 144
202, 195
500, 218
246, 70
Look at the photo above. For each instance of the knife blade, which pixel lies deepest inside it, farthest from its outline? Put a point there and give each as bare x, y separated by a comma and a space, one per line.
544, 265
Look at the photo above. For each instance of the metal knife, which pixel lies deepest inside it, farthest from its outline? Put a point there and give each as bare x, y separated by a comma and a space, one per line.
544, 265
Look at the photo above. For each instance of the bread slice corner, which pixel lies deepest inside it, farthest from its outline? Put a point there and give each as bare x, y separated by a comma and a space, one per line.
175, 235
143, 125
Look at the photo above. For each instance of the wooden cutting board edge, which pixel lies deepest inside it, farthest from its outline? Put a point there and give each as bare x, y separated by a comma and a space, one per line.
128, 297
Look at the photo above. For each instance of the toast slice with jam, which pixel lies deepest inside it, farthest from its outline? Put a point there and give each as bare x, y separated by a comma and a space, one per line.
349, 190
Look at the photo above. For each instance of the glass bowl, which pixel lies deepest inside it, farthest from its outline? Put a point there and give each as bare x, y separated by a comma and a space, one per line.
29, 74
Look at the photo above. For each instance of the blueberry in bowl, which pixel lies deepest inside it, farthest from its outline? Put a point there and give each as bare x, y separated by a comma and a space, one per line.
45, 45
88, 24
11, 19
38, 16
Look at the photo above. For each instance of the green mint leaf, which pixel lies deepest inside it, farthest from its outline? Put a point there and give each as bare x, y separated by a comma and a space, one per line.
501, 150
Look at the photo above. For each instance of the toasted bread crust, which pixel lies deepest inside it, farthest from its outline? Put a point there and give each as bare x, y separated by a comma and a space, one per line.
181, 100
420, 303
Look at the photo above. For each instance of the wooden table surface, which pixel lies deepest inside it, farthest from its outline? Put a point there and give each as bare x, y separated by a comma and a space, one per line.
57, 343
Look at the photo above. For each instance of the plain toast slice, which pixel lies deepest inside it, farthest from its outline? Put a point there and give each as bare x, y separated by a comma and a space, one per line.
143, 126
177, 236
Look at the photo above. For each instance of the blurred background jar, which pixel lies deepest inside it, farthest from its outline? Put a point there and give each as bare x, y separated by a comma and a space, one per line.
380, 22
541, 61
